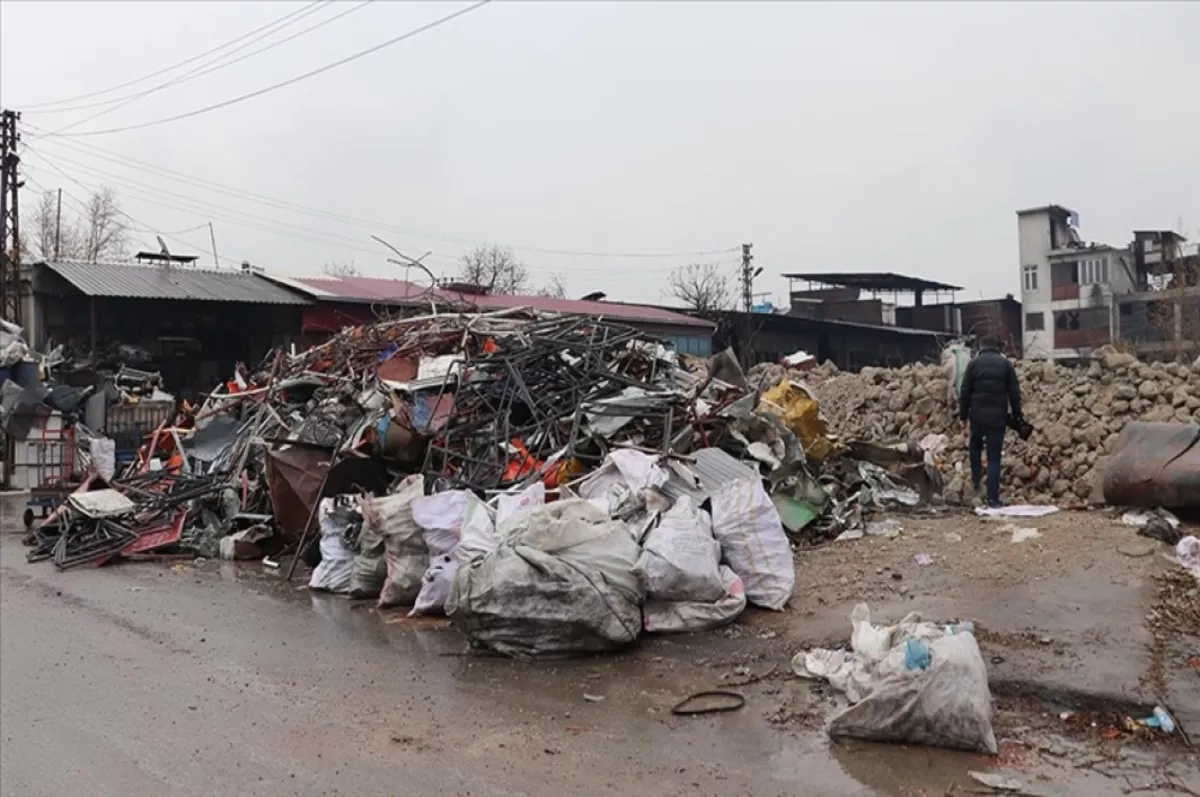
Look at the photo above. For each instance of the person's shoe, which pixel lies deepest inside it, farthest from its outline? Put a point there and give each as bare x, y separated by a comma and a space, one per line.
995, 504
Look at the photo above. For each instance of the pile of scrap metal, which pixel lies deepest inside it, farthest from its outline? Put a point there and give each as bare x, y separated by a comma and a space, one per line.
97, 524
553, 484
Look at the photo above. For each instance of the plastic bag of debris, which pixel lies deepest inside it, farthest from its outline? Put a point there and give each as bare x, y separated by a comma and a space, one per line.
435, 586
682, 617
440, 517
753, 543
404, 547
370, 564
560, 583
680, 558
336, 569
512, 508
910, 683
477, 535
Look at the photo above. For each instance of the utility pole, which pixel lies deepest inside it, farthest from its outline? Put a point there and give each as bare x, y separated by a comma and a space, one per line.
748, 275
10, 220
213, 237
58, 224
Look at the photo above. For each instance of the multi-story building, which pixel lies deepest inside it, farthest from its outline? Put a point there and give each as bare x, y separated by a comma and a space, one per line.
1078, 296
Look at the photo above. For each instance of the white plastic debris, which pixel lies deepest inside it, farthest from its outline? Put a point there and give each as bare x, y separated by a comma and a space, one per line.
407, 556
911, 683
1021, 534
560, 583
673, 617
680, 559
336, 569
753, 543
1188, 551
1017, 510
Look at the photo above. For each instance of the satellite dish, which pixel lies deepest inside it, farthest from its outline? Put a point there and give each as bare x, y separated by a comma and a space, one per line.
162, 245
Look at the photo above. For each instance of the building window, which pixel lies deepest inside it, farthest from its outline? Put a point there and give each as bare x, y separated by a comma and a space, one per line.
1029, 276
1093, 271
1035, 322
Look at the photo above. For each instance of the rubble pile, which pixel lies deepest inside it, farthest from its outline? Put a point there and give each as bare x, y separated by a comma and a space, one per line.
1077, 414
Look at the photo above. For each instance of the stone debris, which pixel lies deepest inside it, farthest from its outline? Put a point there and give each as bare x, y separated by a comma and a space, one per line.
1077, 413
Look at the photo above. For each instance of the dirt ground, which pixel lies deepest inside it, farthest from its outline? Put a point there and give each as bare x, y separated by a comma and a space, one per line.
217, 677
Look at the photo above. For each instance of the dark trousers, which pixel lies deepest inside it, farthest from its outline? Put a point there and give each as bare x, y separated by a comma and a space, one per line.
993, 440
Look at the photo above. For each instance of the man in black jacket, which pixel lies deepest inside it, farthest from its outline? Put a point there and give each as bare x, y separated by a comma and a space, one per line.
989, 390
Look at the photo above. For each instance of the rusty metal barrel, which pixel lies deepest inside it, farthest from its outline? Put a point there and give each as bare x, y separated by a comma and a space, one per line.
1155, 464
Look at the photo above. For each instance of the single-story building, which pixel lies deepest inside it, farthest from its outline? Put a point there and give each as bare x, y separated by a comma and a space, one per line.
849, 344
194, 323
345, 301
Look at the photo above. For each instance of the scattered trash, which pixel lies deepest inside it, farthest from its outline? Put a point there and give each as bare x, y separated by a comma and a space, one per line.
997, 781
709, 702
593, 698
1018, 510
1188, 551
923, 559
1160, 719
1023, 534
911, 683
889, 527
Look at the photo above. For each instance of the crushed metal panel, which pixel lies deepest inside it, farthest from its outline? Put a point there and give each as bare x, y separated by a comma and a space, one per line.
294, 479
711, 469
101, 503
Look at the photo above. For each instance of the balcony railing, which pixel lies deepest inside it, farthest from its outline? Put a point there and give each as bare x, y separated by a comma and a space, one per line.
1070, 291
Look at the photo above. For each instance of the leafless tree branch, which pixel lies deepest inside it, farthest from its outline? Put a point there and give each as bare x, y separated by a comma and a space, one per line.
493, 268
346, 268
701, 287
555, 288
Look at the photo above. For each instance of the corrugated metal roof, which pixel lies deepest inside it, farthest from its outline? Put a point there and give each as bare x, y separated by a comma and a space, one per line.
133, 281
388, 291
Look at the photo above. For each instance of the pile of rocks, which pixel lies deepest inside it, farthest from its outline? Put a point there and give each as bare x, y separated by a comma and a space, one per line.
1077, 413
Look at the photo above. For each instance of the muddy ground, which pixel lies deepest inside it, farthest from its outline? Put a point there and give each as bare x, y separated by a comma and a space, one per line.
214, 678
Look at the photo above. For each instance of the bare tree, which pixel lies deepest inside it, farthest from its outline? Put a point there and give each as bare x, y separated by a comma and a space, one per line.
51, 235
495, 268
701, 287
556, 288
346, 268
105, 230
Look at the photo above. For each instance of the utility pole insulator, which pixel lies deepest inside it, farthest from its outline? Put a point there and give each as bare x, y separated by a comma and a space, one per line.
10, 219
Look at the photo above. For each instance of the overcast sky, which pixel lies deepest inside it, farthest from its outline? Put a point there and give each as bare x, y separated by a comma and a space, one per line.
834, 137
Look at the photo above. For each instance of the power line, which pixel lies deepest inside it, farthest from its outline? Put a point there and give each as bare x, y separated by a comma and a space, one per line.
124, 160
205, 69
312, 73
279, 228
164, 70
137, 224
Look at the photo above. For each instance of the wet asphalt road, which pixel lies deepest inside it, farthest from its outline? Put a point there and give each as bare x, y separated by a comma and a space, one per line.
149, 679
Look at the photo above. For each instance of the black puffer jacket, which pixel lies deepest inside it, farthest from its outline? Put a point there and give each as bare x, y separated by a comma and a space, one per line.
989, 389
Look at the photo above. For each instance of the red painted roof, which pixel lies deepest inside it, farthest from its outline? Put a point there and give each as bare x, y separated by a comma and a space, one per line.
388, 291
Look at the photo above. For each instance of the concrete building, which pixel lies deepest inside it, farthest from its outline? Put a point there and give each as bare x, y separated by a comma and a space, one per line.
1078, 296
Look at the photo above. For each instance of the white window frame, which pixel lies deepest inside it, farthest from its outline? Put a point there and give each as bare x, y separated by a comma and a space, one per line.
1029, 278
1093, 271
